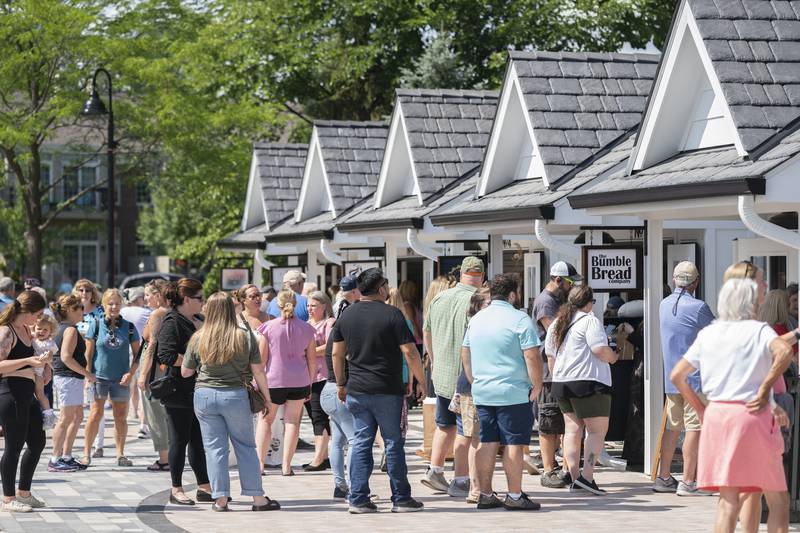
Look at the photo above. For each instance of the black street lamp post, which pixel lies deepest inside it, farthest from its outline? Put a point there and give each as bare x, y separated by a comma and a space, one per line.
94, 107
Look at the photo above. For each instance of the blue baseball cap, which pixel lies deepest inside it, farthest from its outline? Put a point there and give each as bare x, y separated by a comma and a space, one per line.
348, 283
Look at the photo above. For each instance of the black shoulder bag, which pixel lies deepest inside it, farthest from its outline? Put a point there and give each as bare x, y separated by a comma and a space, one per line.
161, 387
258, 403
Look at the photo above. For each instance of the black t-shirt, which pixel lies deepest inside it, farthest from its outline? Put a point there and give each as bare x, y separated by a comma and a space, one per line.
79, 354
373, 332
174, 335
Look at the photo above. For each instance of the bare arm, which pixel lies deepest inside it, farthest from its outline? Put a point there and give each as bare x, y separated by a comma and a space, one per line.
408, 313
338, 355
311, 359
414, 361
68, 344
187, 372
261, 380
605, 354
680, 372
781, 357
126, 379
533, 362
12, 365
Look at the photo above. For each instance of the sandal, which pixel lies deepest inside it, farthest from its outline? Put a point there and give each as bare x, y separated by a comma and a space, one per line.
158, 467
271, 505
287, 474
85, 460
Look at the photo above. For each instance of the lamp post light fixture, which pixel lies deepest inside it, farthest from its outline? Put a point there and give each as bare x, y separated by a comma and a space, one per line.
94, 107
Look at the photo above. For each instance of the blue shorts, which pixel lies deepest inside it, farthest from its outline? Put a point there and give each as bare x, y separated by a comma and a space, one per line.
102, 388
444, 416
506, 424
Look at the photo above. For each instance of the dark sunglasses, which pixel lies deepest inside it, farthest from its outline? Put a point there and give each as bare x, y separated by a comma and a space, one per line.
198, 298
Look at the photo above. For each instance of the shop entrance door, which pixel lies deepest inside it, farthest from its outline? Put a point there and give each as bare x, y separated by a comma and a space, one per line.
779, 262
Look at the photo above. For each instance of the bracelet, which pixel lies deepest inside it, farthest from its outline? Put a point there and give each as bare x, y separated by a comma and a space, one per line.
797, 334
342, 385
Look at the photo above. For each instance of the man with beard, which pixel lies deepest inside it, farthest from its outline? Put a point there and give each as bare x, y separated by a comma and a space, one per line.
551, 422
501, 359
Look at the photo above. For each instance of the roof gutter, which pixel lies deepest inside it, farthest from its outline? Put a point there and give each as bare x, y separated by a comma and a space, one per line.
546, 212
328, 254
261, 261
412, 237
549, 242
759, 226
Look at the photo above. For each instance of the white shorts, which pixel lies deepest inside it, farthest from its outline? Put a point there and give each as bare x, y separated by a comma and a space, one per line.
69, 390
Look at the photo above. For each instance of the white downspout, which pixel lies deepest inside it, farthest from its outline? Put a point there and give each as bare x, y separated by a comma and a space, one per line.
262, 261
547, 240
412, 238
328, 254
759, 226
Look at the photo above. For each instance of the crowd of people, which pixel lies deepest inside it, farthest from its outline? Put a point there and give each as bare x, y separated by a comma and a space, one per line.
208, 373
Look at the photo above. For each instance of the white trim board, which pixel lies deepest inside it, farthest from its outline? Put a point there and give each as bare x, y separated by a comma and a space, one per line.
398, 177
687, 109
511, 154
315, 192
250, 217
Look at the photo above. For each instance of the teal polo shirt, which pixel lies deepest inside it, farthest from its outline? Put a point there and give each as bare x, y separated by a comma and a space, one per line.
497, 337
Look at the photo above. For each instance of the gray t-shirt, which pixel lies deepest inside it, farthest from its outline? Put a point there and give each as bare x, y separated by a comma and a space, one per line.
545, 305
232, 374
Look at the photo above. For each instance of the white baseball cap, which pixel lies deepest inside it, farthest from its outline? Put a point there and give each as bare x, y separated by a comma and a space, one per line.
563, 269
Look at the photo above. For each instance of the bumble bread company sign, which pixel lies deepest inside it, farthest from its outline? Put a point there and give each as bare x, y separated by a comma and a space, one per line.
612, 268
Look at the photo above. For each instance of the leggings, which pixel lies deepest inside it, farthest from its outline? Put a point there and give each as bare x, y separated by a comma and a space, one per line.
21, 419
319, 418
184, 430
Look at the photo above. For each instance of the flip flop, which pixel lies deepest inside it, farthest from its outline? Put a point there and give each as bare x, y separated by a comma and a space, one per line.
158, 467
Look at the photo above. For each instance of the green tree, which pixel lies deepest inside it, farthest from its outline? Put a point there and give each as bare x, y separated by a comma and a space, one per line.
46, 48
439, 67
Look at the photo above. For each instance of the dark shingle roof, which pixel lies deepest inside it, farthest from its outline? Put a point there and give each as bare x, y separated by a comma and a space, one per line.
448, 131
709, 166
280, 172
580, 102
246, 240
533, 193
754, 46
352, 153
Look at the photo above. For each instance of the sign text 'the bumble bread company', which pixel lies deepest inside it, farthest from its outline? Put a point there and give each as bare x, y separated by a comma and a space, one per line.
612, 269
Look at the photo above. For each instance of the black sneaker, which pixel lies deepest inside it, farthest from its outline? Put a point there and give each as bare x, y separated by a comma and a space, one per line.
77, 464
566, 477
340, 493
590, 486
303, 445
409, 506
489, 502
522, 504
364, 508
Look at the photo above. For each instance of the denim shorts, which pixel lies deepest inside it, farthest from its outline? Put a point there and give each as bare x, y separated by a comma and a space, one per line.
102, 388
506, 424
444, 416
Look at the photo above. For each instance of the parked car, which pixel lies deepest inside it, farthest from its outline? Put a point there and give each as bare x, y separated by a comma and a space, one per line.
141, 279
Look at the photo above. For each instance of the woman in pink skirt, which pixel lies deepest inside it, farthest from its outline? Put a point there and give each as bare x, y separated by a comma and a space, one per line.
739, 360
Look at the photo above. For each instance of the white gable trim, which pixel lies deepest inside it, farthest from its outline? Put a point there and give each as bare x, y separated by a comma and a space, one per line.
250, 217
495, 173
315, 191
397, 164
685, 28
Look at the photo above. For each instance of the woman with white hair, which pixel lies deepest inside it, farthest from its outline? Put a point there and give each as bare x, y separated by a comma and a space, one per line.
739, 359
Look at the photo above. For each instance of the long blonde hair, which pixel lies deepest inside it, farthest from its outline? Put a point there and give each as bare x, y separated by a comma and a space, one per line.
286, 303
775, 309
82, 283
220, 337
440, 284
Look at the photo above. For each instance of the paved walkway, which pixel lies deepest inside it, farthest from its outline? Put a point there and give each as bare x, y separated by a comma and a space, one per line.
110, 498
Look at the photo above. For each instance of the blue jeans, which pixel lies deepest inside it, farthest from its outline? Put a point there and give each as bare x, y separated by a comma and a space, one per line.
225, 414
370, 412
341, 431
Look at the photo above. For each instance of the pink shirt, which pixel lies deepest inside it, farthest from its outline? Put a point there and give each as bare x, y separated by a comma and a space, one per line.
321, 332
287, 340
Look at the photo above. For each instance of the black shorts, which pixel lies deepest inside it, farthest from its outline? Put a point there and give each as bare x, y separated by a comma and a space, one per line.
319, 418
280, 395
551, 419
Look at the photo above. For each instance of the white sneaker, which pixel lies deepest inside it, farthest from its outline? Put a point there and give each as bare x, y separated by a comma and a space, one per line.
15, 506
690, 489
32, 501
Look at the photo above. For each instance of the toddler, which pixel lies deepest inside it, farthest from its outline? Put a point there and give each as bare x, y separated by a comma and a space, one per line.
43, 345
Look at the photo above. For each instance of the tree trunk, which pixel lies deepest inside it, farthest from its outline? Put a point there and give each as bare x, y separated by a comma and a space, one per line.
33, 244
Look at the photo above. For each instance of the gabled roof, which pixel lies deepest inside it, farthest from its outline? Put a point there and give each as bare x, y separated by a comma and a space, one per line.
351, 153
754, 47
579, 103
279, 170
447, 132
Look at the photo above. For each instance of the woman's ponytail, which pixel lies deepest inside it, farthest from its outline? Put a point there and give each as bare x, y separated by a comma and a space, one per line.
286, 303
27, 302
578, 298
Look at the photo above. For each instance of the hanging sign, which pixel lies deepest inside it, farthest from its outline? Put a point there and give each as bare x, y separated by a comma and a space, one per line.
612, 268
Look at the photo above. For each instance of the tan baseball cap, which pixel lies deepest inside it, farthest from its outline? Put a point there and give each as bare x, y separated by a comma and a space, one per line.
294, 277
472, 264
685, 274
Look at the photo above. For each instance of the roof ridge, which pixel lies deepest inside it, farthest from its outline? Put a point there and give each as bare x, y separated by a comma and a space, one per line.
455, 93
352, 123
756, 153
263, 145
606, 57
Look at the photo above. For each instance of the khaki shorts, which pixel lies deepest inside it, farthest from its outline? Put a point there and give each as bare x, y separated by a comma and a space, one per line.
469, 416
680, 415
